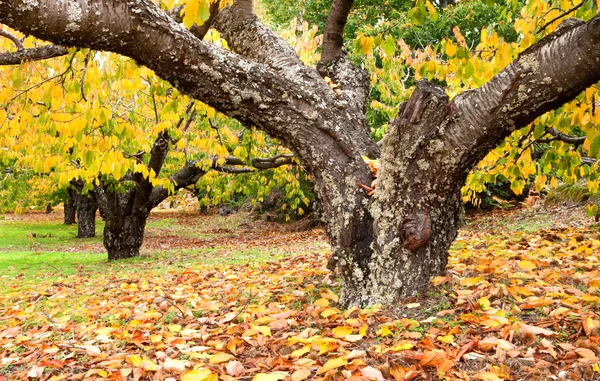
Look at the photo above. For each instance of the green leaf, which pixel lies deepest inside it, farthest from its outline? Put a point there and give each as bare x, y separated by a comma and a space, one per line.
469, 70
389, 46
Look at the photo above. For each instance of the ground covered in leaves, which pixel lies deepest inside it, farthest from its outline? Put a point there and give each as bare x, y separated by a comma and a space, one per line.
216, 298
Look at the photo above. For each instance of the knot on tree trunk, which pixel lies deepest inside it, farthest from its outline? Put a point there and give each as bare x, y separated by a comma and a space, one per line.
417, 231
426, 91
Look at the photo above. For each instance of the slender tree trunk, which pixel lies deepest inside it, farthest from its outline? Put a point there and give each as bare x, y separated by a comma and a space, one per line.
70, 207
86, 216
124, 236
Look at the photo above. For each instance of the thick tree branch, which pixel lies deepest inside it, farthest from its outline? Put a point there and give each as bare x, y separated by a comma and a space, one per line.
251, 92
545, 76
34, 54
249, 37
263, 163
334, 30
353, 81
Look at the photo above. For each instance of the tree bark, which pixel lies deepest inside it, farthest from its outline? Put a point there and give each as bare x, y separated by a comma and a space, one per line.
86, 216
124, 236
387, 246
70, 207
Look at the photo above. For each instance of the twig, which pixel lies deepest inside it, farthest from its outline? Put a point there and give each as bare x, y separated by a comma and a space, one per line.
69, 68
573, 9
216, 129
86, 60
246, 304
168, 300
49, 319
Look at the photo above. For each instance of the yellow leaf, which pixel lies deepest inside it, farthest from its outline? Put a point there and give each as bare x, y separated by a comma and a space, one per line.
448, 339
329, 312
198, 375
322, 302
273, 376
175, 328
340, 332
484, 303
266, 331
401, 347
134, 360
332, 364
147, 364
591, 326
526, 265
327, 294
384, 331
302, 351
468, 282
450, 49
168, 3
221, 357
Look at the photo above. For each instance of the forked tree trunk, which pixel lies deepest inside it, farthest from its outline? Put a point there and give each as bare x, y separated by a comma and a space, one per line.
86, 216
387, 246
124, 236
70, 207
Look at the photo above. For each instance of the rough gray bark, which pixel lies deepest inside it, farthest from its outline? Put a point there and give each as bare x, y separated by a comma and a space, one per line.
70, 207
86, 216
387, 246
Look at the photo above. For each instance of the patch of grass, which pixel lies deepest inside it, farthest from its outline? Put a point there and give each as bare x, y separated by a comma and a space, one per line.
162, 223
20, 235
27, 266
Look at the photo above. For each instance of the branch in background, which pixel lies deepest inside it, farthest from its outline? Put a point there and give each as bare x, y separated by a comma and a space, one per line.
13, 38
193, 171
573, 9
86, 60
262, 163
60, 75
197, 30
559, 136
216, 129
34, 54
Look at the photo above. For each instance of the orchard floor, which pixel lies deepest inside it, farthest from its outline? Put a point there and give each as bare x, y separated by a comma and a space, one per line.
231, 298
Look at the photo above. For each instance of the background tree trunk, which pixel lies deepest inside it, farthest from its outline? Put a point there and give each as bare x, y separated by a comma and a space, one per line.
124, 236
70, 207
86, 216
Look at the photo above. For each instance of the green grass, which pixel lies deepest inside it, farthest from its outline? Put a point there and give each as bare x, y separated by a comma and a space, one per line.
19, 235
22, 267
50, 251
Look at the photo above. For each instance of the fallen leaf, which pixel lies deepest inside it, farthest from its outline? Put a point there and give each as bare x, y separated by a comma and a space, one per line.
332, 364
372, 373
273, 376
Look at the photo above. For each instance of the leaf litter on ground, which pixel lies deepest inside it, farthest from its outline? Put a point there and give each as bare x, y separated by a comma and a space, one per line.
513, 305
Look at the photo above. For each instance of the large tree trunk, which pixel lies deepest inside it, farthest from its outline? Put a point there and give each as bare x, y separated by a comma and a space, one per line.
70, 207
387, 246
86, 216
124, 236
